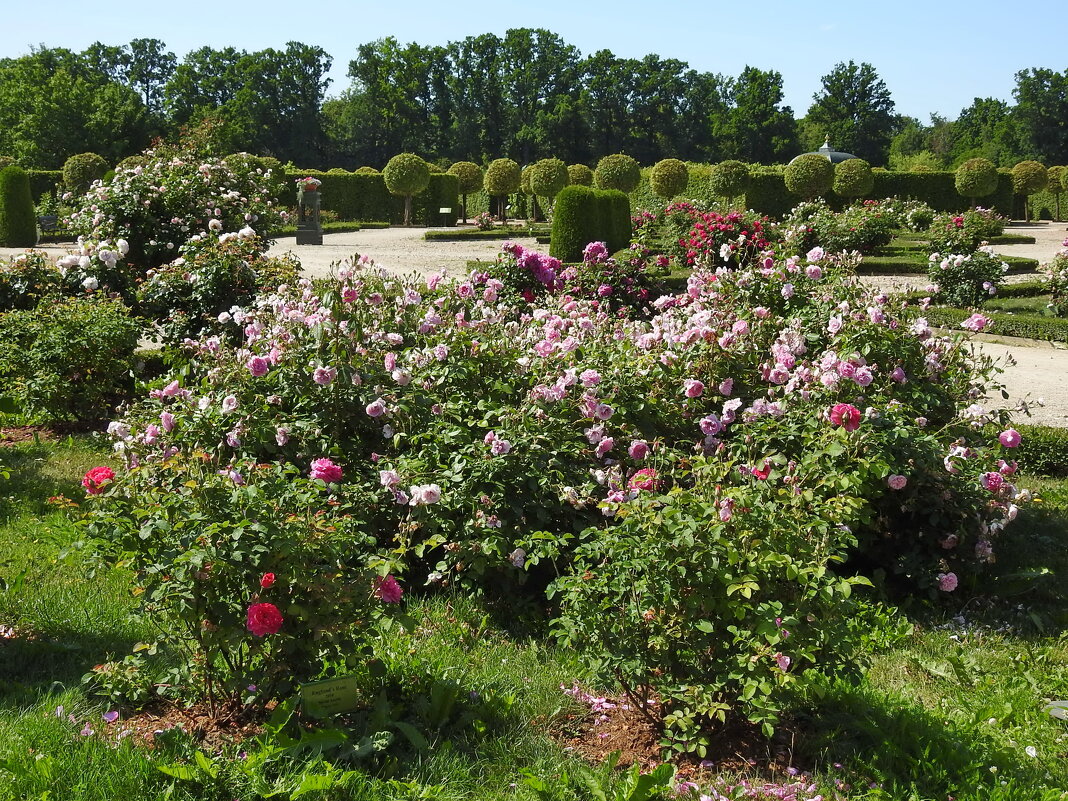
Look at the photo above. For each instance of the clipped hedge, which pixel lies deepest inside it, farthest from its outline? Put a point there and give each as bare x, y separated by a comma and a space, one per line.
575, 222
18, 225
1027, 326
43, 182
1043, 450
909, 264
615, 212
363, 197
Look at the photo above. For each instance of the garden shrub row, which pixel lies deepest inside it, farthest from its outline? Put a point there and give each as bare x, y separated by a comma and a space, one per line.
503, 232
1043, 450
356, 196
902, 263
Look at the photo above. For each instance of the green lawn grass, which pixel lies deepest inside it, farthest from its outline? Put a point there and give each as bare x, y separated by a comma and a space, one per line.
951, 711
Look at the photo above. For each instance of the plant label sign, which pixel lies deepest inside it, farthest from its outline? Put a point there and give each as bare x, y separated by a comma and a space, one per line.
330, 697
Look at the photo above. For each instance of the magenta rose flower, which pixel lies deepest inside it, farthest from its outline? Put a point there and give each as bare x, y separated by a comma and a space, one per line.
326, 470
897, 482
1010, 438
264, 619
388, 590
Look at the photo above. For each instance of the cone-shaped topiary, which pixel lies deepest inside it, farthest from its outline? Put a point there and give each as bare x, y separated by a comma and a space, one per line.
18, 226
574, 223
976, 178
503, 177
730, 179
618, 171
669, 178
406, 174
579, 175
809, 176
81, 170
1029, 177
470, 177
853, 178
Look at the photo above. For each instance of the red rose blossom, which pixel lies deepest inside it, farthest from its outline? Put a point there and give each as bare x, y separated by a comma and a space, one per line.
96, 479
264, 619
846, 415
267, 581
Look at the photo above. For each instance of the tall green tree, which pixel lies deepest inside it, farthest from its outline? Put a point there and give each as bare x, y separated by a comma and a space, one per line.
1042, 109
855, 111
758, 128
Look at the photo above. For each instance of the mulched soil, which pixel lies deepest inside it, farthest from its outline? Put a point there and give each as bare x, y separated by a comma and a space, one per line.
14, 435
211, 731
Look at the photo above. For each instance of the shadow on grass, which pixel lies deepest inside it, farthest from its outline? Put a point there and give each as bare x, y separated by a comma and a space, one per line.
882, 739
42, 470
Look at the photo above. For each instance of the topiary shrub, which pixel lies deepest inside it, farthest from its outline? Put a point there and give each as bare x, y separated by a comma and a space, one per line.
976, 178
853, 178
81, 170
18, 227
406, 174
575, 223
1029, 177
1055, 187
547, 178
579, 175
366, 171
615, 222
470, 176
730, 179
618, 171
503, 177
669, 177
809, 176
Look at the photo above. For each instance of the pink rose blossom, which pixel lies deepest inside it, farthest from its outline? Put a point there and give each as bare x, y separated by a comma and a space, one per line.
897, 482
167, 421
1010, 438
96, 479
947, 582
325, 470
846, 415
604, 446
992, 481
638, 449
258, 366
376, 408
645, 479
693, 388
324, 375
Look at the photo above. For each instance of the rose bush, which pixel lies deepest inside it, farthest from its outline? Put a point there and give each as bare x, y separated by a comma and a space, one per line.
479, 438
966, 280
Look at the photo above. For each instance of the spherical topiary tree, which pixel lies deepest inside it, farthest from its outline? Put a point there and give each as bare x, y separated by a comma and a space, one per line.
853, 178
406, 174
618, 171
809, 176
1056, 185
524, 187
366, 171
976, 178
470, 177
668, 178
1029, 177
503, 177
579, 175
6, 161
547, 178
730, 179
337, 171
81, 170
18, 227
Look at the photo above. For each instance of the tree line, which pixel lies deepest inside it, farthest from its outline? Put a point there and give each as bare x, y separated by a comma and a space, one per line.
525, 95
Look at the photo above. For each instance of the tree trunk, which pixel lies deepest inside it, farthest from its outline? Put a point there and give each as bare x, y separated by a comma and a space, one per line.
463, 207
407, 211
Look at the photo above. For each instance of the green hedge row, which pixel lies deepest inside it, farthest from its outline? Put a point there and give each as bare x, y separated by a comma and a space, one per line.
509, 232
44, 181
353, 196
905, 264
585, 215
1043, 450
767, 193
1029, 326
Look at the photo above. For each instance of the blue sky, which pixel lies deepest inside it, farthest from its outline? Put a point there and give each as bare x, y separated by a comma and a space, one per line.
935, 56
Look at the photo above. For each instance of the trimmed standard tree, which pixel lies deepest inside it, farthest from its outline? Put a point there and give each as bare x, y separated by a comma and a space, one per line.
618, 171
81, 170
579, 175
669, 178
1029, 177
730, 179
547, 178
470, 177
853, 178
503, 177
809, 176
406, 175
976, 178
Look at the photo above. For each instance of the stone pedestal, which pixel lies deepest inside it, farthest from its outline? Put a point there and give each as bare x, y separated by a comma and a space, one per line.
309, 230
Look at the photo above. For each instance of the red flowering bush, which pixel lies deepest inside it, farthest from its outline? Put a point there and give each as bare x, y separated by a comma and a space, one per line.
709, 239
